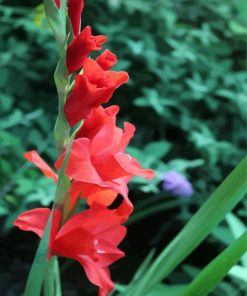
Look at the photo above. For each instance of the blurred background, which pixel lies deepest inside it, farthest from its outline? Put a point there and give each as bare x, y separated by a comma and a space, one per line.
186, 96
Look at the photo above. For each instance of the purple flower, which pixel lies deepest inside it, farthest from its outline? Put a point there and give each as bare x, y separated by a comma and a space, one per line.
177, 185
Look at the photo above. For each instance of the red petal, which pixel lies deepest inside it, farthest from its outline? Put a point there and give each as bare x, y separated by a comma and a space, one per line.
75, 8
92, 69
128, 133
82, 100
34, 220
108, 167
97, 275
118, 77
124, 210
132, 166
34, 157
106, 60
106, 252
92, 193
96, 220
79, 165
74, 241
96, 121
102, 196
95, 232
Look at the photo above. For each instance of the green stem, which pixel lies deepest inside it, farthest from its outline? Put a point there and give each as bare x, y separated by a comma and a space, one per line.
57, 277
215, 271
61, 130
49, 280
39, 266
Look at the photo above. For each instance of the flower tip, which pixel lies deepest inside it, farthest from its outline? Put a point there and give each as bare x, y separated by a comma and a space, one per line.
28, 154
58, 3
150, 174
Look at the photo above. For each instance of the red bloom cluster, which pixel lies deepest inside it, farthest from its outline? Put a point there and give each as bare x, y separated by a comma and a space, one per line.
98, 167
90, 237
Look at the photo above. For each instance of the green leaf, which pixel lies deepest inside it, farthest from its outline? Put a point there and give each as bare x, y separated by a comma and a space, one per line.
145, 264
156, 150
223, 200
166, 290
13, 119
223, 234
215, 271
37, 272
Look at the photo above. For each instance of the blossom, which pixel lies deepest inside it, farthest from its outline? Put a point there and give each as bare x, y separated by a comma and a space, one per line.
93, 88
97, 164
90, 237
98, 167
80, 48
177, 184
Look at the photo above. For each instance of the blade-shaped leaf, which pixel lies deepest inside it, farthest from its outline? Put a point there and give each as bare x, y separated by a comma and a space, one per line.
215, 271
222, 201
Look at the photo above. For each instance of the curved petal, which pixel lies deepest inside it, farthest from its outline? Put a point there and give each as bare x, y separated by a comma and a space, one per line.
106, 59
132, 166
128, 133
34, 220
93, 124
99, 276
34, 157
118, 77
84, 97
80, 167
80, 48
106, 252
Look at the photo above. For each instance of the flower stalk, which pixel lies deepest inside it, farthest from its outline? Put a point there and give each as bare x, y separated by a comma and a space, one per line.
88, 143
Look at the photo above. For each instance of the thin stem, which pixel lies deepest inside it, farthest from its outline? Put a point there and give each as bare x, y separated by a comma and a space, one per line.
49, 280
57, 277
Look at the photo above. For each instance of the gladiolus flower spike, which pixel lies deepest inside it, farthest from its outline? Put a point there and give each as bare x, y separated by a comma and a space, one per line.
97, 167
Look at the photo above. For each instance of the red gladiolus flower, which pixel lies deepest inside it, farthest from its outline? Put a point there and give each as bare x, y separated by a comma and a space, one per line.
91, 89
97, 164
75, 8
90, 237
98, 167
80, 48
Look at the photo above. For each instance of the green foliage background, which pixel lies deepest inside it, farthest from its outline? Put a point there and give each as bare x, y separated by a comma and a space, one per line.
186, 95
